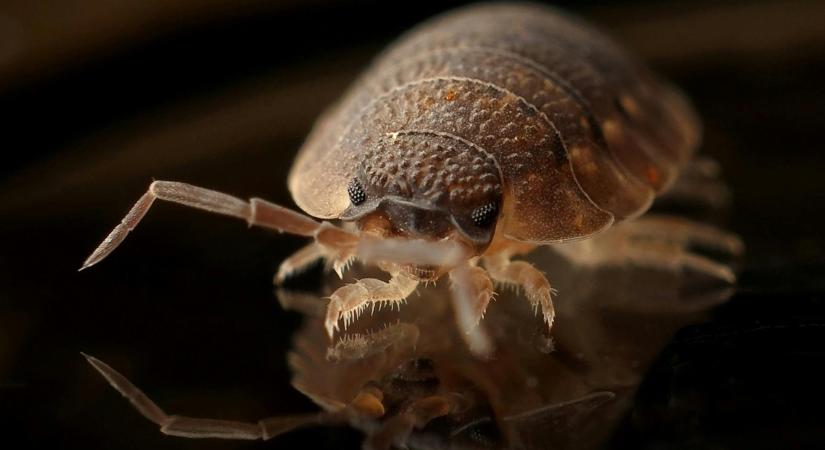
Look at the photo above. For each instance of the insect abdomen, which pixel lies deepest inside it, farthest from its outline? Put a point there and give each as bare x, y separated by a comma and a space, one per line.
644, 119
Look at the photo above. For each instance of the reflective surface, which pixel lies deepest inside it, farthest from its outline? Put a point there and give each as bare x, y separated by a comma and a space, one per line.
565, 391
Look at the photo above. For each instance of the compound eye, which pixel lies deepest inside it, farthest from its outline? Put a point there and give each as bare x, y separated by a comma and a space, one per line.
356, 192
484, 216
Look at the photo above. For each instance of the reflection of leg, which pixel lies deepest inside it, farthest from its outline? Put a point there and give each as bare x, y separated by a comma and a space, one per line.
306, 303
395, 431
524, 275
657, 242
393, 339
298, 261
192, 427
348, 302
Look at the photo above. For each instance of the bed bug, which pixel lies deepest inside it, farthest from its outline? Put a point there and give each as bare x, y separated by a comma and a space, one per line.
477, 137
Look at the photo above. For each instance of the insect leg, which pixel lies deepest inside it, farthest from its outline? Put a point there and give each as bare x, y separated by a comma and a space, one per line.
523, 274
482, 289
685, 233
349, 301
299, 261
192, 427
469, 303
255, 212
659, 243
676, 257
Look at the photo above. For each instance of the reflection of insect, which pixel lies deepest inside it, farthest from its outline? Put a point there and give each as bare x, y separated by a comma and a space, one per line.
479, 136
407, 381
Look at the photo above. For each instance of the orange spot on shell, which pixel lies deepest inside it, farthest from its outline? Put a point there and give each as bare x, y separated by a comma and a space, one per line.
653, 176
449, 96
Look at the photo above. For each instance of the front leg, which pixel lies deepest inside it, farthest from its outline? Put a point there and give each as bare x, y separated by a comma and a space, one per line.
339, 242
349, 301
522, 274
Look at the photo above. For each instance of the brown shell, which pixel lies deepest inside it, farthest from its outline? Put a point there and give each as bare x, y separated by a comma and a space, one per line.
582, 133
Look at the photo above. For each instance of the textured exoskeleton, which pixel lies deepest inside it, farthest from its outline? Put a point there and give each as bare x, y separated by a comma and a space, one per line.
581, 133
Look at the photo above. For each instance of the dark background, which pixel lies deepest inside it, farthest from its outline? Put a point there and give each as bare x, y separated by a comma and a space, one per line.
98, 99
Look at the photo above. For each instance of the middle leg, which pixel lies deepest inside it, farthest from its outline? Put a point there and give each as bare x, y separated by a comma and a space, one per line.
522, 274
327, 247
472, 292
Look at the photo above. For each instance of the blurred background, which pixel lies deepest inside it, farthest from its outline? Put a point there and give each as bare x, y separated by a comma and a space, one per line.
99, 97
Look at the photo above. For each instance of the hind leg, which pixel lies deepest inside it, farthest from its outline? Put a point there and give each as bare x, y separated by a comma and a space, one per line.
658, 242
684, 233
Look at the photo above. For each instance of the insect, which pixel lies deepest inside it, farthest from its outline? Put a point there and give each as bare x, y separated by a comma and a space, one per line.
477, 137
